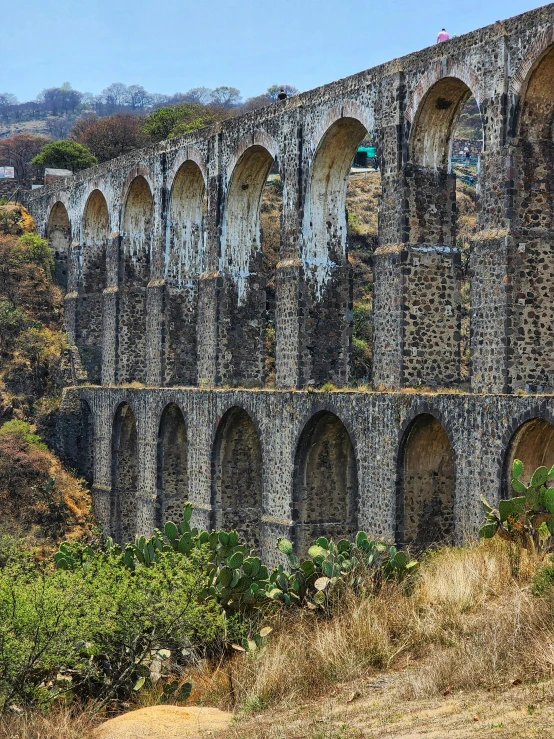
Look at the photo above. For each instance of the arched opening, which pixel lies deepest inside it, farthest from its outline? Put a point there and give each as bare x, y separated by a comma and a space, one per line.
363, 195
84, 443
533, 444
172, 475
531, 358
93, 280
237, 477
426, 485
184, 262
244, 336
59, 238
124, 474
325, 492
325, 255
134, 273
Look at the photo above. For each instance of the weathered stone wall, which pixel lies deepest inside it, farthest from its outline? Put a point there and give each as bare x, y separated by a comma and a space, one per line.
344, 459
160, 255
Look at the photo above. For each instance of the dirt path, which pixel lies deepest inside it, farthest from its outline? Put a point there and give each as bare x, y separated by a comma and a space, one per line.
370, 711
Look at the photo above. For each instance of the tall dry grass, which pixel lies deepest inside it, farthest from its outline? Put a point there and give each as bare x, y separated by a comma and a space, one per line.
62, 724
465, 623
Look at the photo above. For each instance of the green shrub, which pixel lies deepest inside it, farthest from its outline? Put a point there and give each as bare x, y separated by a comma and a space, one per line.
22, 430
544, 579
97, 633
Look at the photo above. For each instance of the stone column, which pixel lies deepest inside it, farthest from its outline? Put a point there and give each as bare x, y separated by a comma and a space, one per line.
147, 428
416, 303
102, 494
109, 312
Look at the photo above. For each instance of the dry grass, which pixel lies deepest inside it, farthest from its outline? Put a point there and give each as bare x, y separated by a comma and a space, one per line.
466, 623
62, 724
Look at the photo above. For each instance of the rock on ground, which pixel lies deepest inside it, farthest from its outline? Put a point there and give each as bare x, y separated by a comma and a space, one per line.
164, 722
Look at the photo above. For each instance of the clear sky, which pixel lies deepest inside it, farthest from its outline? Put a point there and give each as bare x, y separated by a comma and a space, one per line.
172, 45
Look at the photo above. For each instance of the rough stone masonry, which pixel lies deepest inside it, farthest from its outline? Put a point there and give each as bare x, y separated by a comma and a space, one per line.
167, 311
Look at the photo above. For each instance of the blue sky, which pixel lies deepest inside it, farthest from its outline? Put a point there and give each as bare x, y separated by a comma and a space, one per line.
173, 45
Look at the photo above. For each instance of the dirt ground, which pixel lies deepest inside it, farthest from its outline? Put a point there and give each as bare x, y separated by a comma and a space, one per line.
374, 709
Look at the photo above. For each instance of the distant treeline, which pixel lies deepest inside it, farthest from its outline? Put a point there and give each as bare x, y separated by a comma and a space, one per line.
119, 98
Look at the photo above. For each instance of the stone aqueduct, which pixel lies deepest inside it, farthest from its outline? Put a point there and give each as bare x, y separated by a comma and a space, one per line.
159, 252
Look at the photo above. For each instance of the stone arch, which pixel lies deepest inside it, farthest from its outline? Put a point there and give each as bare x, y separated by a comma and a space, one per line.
531, 340
240, 240
134, 273
244, 296
535, 51
237, 476
533, 443
325, 214
425, 502
436, 72
325, 482
172, 467
328, 273
125, 474
59, 238
184, 262
183, 259
434, 120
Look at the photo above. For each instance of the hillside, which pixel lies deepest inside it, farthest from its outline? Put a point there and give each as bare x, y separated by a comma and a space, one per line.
33, 370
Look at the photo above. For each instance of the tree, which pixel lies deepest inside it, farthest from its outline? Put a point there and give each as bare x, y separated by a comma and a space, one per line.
273, 91
176, 120
137, 97
6, 98
201, 95
18, 150
60, 100
114, 96
227, 97
110, 137
65, 155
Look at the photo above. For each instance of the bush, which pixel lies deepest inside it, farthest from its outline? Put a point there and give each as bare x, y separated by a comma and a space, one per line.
96, 632
32, 249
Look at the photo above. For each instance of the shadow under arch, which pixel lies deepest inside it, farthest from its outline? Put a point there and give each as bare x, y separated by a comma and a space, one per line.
325, 482
91, 284
426, 485
125, 474
237, 477
172, 466
134, 273
242, 260
59, 239
184, 262
532, 443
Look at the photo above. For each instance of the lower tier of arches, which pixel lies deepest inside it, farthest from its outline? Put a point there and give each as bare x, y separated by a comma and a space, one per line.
408, 468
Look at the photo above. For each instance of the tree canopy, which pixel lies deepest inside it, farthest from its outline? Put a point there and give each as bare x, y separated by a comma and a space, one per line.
111, 137
176, 120
65, 155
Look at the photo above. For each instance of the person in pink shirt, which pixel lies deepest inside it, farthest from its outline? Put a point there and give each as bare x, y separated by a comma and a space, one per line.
443, 36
